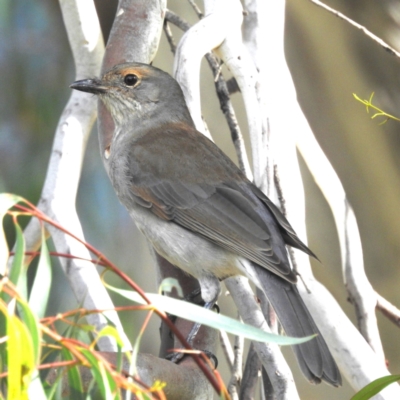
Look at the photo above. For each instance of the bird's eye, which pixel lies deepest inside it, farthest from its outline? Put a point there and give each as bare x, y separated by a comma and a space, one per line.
130, 79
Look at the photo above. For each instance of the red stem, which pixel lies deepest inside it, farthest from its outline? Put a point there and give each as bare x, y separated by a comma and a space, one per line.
41, 216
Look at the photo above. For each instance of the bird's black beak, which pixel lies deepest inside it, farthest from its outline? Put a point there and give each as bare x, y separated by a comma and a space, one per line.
94, 86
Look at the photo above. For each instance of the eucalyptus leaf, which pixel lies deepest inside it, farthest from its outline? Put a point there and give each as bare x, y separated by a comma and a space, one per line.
40, 293
199, 314
7, 200
18, 274
375, 387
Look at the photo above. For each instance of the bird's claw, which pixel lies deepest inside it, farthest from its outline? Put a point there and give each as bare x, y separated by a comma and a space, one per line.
178, 356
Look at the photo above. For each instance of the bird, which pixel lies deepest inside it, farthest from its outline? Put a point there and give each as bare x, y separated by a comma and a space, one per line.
196, 207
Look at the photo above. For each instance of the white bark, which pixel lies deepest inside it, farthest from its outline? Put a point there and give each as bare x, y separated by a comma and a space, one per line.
269, 353
361, 291
200, 39
196, 42
287, 124
270, 86
63, 173
239, 62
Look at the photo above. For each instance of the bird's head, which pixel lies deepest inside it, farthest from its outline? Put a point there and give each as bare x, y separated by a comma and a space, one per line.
136, 92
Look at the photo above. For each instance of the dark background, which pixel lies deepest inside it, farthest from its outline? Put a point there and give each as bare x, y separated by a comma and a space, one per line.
329, 61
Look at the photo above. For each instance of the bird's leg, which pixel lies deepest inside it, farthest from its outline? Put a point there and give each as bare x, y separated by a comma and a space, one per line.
176, 357
193, 332
210, 289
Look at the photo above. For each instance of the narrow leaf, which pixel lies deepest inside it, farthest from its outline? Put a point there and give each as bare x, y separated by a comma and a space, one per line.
170, 283
375, 387
99, 374
7, 200
106, 384
55, 390
113, 332
21, 359
195, 313
32, 324
14, 357
42, 284
74, 377
18, 274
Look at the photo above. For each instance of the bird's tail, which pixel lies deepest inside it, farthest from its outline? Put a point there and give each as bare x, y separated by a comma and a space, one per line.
314, 357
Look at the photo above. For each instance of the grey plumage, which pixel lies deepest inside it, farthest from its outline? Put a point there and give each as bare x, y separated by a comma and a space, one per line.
196, 207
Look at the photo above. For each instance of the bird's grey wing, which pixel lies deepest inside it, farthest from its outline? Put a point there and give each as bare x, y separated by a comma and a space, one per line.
205, 201
220, 214
188, 182
289, 235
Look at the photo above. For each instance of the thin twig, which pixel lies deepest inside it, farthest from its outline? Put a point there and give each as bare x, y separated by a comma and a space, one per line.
196, 9
229, 112
236, 378
176, 20
375, 38
199, 360
227, 349
388, 309
379, 112
168, 35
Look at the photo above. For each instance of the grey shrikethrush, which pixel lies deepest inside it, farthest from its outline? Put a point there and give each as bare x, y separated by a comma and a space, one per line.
196, 207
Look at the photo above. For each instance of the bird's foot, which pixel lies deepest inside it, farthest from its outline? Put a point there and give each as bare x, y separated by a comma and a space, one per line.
177, 357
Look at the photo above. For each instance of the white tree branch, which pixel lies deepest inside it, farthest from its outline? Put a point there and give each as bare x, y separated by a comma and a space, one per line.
238, 60
359, 367
269, 353
357, 361
63, 173
250, 374
360, 290
200, 39
388, 309
182, 382
236, 372
227, 349
222, 91
210, 35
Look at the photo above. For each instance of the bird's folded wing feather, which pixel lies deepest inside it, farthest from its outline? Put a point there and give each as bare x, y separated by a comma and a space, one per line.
214, 199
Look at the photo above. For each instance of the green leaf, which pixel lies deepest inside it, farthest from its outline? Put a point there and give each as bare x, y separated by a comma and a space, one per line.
20, 356
113, 332
195, 313
7, 200
55, 390
14, 357
375, 387
40, 293
12, 345
18, 274
106, 384
32, 324
74, 377
170, 283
